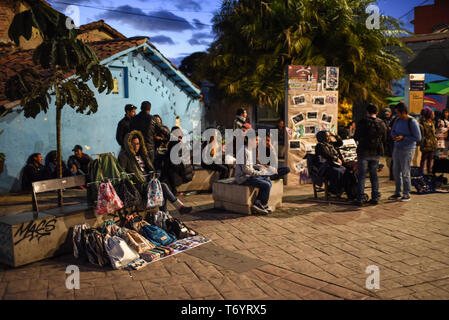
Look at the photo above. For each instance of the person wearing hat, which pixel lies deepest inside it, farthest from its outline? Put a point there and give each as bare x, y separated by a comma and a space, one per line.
79, 162
123, 125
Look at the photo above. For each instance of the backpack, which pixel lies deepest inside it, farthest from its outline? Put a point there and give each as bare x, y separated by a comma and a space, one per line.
374, 133
157, 236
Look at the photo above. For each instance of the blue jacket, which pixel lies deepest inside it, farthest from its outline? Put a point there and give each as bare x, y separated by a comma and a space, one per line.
411, 134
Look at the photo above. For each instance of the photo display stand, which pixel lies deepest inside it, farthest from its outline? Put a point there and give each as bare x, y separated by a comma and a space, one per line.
311, 105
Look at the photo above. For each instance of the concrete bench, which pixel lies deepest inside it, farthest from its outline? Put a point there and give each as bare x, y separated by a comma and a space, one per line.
202, 180
239, 198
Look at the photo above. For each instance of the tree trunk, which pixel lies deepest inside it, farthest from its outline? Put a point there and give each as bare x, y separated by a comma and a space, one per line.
58, 152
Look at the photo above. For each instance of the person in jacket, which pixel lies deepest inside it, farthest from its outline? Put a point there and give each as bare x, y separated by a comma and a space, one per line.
160, 144
123, 125
428, 144
149, 127
406, 134
33, 171
240, 119
78, 163
213, 150
331, 162
443, 129
51, 166
247, 173
176, 174
388, 148
371, 135
134, 159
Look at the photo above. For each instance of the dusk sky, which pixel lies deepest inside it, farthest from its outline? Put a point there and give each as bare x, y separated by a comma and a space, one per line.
179, 27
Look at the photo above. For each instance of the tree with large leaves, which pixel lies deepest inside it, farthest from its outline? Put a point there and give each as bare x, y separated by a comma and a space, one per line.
257, 39
65, 64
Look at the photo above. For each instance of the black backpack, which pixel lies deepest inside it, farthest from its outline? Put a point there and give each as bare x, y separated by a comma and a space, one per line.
374, 134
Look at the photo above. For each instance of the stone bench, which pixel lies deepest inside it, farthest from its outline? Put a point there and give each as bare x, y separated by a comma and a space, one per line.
202, 180
29, 237
239, 198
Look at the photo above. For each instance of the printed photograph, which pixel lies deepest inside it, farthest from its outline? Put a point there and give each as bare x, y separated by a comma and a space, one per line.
319, 101
295, 144
298, 118
299, 100
312, 115
310, 130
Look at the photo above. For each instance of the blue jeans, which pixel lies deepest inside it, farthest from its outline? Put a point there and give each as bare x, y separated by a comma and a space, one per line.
282, 171
264, 186
364, 164
168, 195
402, 159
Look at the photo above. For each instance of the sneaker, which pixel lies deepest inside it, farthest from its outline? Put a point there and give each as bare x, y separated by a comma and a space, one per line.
394, 197
405, 198
185, 210
258, 208
374, 202
269, 209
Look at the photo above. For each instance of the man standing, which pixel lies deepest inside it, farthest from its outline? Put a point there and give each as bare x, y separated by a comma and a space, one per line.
78, 163
371, 135
123, 125
149, 127
240, 119
405, 134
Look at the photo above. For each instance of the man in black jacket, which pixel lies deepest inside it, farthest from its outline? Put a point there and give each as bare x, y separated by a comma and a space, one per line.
34, 171
123, 125
149, 127
371, 135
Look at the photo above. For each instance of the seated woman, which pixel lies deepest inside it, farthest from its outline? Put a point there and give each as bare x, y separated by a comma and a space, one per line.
133, 158
270, 152
246, 173
212, 148
332, 166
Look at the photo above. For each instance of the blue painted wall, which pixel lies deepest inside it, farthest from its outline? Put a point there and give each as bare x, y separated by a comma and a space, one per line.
96, 132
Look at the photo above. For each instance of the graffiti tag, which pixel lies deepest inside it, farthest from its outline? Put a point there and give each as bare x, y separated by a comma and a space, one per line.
35, 231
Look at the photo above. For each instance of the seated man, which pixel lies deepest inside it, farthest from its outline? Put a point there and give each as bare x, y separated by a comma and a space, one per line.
33, 171
79, 162
246, 173
331, 164
271, 172
133, 158
51, 165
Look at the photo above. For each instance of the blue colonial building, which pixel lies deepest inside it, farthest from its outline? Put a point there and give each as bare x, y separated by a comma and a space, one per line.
140, 73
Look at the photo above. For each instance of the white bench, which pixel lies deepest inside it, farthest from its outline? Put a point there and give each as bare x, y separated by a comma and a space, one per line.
239, 198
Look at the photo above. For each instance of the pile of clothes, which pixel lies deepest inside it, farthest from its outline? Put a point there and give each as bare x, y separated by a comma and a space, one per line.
136, 244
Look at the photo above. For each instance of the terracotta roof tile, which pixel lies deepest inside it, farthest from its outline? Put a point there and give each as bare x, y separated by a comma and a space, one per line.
15, 61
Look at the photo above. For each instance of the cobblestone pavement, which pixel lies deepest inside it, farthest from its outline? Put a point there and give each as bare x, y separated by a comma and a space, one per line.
312, 251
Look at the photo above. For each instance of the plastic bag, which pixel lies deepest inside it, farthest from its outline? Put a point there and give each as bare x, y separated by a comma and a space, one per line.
119, 252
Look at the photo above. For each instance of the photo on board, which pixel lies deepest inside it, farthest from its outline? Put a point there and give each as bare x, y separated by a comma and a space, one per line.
310, 130
299, 100
332, 78
295, 144
298, 118
312, 115
319, 101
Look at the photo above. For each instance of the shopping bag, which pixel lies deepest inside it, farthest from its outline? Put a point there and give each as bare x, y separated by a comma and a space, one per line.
119, 252
108, 201
79, 250
155, 196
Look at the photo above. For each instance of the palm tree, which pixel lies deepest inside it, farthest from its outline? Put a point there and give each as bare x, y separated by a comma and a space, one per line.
257, 39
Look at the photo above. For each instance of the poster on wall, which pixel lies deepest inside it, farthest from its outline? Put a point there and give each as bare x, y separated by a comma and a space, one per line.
311, 105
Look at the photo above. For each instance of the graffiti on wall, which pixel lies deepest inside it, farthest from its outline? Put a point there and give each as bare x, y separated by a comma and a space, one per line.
35, 230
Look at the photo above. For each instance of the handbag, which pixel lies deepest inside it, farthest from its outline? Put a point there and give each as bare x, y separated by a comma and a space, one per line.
79, 249
157, 235
119, 252
138, 242
155, 196
179, 229
160, 218
128, 193
108, 200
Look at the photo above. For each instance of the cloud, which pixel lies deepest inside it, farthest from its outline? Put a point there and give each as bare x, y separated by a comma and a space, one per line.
162, 40
198, 24
161, 20
201, 39
188, 5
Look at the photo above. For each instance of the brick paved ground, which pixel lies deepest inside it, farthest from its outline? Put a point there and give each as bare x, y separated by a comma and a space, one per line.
313, 251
